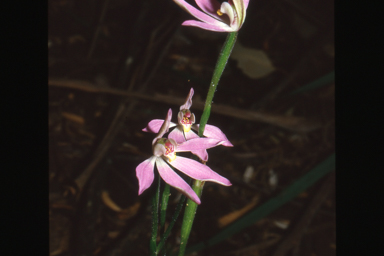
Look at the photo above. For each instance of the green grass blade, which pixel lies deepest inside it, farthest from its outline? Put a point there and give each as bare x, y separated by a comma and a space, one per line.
324, 80
287, 195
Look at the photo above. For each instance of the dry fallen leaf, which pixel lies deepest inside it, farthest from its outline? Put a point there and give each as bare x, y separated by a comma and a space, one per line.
108, 201
123, 214
76, 38
129, 212
231, 217
254, 63
73, 117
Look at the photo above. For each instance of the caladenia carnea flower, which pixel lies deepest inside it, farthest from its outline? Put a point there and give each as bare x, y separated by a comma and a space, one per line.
183, 132
164, 153
228, 16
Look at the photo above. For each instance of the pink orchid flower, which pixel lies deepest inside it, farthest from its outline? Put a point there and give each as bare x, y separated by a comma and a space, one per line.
164, 153
212, 18
183, 131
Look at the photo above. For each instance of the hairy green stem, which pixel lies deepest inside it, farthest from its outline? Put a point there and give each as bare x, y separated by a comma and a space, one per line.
164, 205
220, 65
155, 219
189, 216
179, 206
191, 207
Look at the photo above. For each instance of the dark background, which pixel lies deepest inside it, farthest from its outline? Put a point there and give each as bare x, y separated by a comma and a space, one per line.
111, 64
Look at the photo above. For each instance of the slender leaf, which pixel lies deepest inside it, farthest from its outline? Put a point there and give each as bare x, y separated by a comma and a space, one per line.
324, 80
287, 195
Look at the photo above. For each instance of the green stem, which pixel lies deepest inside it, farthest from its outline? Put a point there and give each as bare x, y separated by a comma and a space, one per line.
155, 219
179, 206
189, 215
190, 209
220, 65
164, 205
198, 185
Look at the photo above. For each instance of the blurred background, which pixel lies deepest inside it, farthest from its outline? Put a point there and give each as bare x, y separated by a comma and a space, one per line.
114, 65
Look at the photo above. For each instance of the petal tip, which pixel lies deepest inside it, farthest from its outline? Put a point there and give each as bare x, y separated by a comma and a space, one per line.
196, 200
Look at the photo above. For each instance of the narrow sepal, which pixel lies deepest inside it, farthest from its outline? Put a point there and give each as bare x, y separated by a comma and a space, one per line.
177, 135
144, 173
202, 154
198, 171
214, 132
174, 180
198, 144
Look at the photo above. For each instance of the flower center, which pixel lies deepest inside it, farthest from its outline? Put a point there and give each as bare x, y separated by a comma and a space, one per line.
186, 121
169, 151
227, 8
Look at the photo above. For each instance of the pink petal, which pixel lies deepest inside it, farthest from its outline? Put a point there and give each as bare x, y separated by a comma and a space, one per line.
144, 173
170, 177
218, 28
209, 6
188, 101
246, 2
191, 135
197, 13
165, 126
214, 132
198, 171
202, 154
155, 125
198, 144
177, 135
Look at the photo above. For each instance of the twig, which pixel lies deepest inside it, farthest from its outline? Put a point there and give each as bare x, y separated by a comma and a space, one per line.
123, 110
297, 124
98, 29
294, 237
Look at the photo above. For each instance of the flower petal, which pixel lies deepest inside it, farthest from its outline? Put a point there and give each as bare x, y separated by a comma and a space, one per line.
177, 135
228, 10
210, 7
197, 13
144, 173
155, 125
164, 127
246, 2
191, 135
188, 101
202, 154
198, 171
214, 132
241, 7
170, 177
218, 28
198, 144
